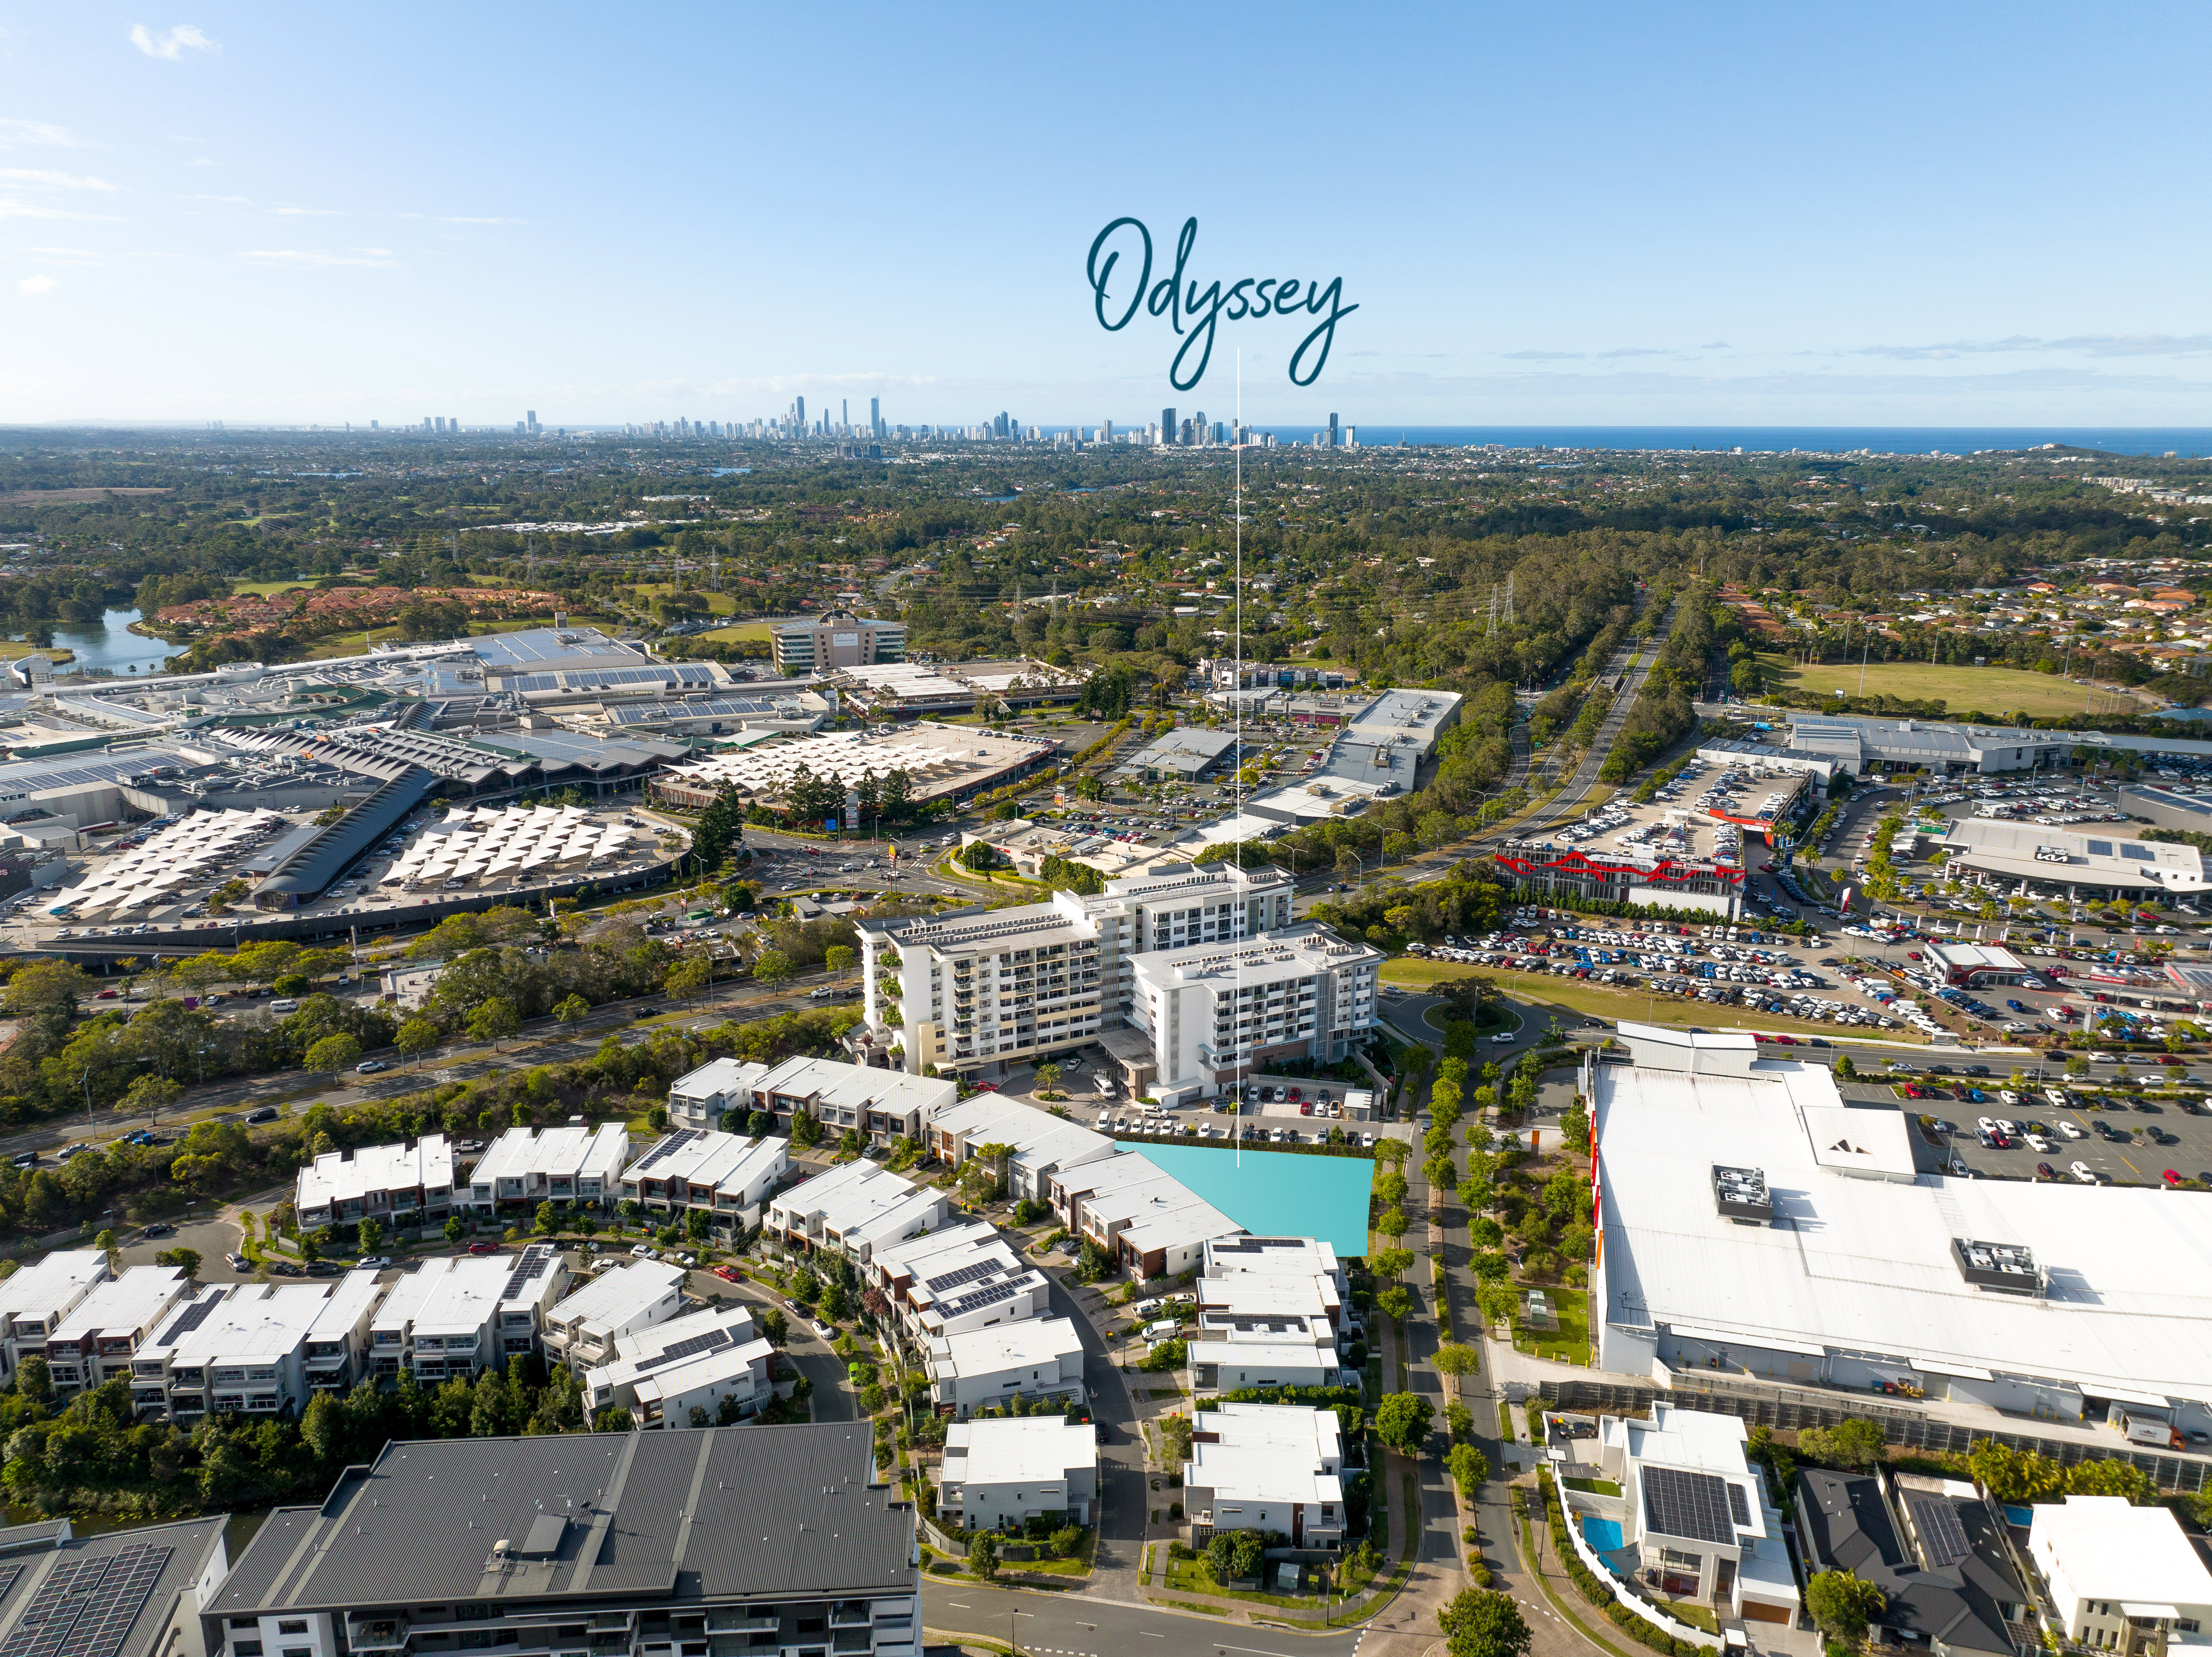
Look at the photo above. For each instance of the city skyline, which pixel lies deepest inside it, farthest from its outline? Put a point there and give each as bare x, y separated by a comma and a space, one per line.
1839, 218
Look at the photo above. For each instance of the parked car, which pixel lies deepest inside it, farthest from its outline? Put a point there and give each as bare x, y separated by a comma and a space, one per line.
642, 1251
266, 1113
159, 1228
237, 1262
374, 1262
369, 1067
729, 1273
483, 1247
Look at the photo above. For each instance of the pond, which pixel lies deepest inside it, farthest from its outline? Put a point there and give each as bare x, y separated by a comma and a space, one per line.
108, 646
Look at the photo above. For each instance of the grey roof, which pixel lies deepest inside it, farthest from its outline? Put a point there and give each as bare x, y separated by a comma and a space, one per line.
171, 1555
305, 870
710, 1513
1845, 1523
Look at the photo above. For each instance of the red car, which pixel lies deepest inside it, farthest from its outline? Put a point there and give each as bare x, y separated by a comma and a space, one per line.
2169, 1058
987, 1087
1910, 1091
729, 1273
483, 1248
2171, 1177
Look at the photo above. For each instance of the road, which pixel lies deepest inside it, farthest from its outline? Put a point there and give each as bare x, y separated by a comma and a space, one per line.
1060, 1624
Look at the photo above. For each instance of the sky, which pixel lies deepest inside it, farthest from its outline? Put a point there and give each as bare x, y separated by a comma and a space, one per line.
1864, 215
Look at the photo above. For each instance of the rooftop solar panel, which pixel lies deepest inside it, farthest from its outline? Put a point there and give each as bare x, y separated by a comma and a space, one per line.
976, 1299
967, 1274
194, 1316
86, 1607
691, 1346
668, 1147
1936, 1521
1677, 1503
1739, 1505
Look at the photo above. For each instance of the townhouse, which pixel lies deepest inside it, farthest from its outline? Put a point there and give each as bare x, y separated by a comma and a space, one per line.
458, 1317
34, 1301
1265, 1467
96, 1341
727, 1175
881, 1106
713, 1362
526, 1166
852, 1210
401, 1184
582, 1331
1039, 1144
951, 1282
257, 1348
1000, 1474
1039, 1357
1143, 1219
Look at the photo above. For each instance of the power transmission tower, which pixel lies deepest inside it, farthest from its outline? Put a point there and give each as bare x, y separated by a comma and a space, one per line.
1509, 598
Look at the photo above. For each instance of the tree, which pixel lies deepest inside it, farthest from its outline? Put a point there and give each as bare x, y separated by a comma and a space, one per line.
839, 958
416, 1038
570, 1012
106, 1244
334, 1054
455, 1229
1394, 1303
1844, 1606
1393, 1263
34, 1380
545, 1222
189, 1258
1402, 1421
984, 1555
688, 976
1854, 1443
494, 1022
369, 1232
1482, 1623
1454, 1359
773, 967
772, 1324
149, 1096
1469, 1467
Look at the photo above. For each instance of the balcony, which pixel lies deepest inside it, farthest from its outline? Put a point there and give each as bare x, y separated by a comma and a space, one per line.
377, 1633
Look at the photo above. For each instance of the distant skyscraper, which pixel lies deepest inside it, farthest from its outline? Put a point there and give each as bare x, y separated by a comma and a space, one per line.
1105, 432
876, 417
533, 418
1332, 431
844, 419
1167, 426
799, 413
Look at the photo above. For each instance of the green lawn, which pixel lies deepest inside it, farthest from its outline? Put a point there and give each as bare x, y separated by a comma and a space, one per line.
717, 604
1594, 1486
739, 632
1571, 1343
1992, 691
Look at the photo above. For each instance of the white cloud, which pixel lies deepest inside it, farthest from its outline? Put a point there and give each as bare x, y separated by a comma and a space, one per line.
305, 212
14, 131
38, 179
302, 256
32, 210
172, 46
37, 287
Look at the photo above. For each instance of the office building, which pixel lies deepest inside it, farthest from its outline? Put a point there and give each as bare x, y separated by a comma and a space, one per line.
400, 1184
708, 1368
620, 1543
726, 1176
876, 418
1265, 1467
2121, 1578
852, 1210
257, 1348
458, 1317
1332, 431
1933, 1548
526, 1166
834, 639
136, 1592
1861, 1268
35, 1299
581, 1329
96, 1341
1037, 1358
1168, 428
1000, 1474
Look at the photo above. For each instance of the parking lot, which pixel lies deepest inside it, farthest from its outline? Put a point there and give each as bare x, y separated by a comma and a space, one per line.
2122, 1112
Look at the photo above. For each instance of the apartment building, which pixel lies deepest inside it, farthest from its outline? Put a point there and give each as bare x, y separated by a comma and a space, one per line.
1216, 1013
526, 1166
713, 1362
1041, 1143
136, 1592
618, 1543
1265, 1467
835, 638
1039, 1357
582, 1331
461, 1316
103, 1330
853, 1209
257, 1348
971, 991
1143, 1219
727, 1175
1000, 1474
2121, 1578
34, 1301
401, 1184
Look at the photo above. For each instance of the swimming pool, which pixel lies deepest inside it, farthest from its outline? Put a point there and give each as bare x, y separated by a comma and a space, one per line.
1277, 1194
1603, 1534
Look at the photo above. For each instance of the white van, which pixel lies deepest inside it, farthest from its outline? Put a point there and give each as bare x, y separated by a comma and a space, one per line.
1166, 1329
286, 1005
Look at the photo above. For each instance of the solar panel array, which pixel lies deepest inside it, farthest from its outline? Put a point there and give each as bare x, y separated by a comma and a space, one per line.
587, 679
1739, 1505
668, 1147
194, 1316
692, 1346
1676, 1503
534, 1263
976, 1299
86, 1606
9, 1574
968, 1274
1936, 1521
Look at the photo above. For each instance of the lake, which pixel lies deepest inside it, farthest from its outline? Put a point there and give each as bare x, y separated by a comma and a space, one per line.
1277, 1194
110, 647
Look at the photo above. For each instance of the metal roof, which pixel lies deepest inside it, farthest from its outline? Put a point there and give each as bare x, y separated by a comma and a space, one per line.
308, 870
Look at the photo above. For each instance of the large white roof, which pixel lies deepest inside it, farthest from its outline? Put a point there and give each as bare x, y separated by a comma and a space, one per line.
340, 1177
1267, 1453
2111, 1548
1019, 1449
1865, 1264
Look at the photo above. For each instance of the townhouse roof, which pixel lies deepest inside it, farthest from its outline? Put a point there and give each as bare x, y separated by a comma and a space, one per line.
1004, 1346
260, 1320
1040, 1141
1150, 1208
123, 1304
856, 1087
718, 1078
1268, 1453
667, 1360
614, 1294
349, 1176
1295, 1256
705, 1156
50, 1568
2110, 1549
571, 1153
917, 1256
1017, 1449
50, 1287
862, 1199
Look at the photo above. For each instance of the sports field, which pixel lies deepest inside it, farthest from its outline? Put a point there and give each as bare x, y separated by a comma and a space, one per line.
743, 630
1992, 691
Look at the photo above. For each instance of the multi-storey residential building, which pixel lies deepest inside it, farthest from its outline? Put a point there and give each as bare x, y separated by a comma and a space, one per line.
1000, 1474
1216, 1013
976, 991
526, 1166
257, 1348
459, 1317
2123, 1579
1143, 1218
1041, 1143
400, 1184
854, 1210
96, 1340
880, 1105
582, 1331
136, 1593
1039, 1357
713, 1362
835, 638
726, 1175
1264, 1327
701, 1098
1300, 1260
952, 1282
1265, 1467
629, 1545
34, 1301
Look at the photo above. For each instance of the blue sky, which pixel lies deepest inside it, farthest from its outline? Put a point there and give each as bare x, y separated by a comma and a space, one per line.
1606, 215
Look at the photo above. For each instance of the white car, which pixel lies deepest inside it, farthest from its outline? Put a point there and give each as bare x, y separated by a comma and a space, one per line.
823, 1331
642, 1251
2085, 1174
2036, 1141
2072, 1132
2005, 1095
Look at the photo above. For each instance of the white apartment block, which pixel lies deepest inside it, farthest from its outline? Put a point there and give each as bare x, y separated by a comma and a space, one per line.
460, 1316
526, 1166
1265, 1467
700, 1098
400, 1184
1043, 1143
727, 1175
1145, 1219
976, 991
257, 1348
1000, 1474
582, 1331
881, 1104
1264, 1328
702, 1361
2121, 1578
853, 1209
1042, 1357
1217, 1012
34, 1301
95, 1341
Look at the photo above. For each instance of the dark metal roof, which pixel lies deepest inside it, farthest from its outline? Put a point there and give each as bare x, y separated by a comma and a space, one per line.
777, 1512
1845, 1523
309, 868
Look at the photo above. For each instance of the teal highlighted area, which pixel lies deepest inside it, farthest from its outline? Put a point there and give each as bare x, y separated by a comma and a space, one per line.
1277, 1194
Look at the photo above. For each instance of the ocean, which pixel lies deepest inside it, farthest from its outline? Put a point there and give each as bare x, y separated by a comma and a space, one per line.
2189, 442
